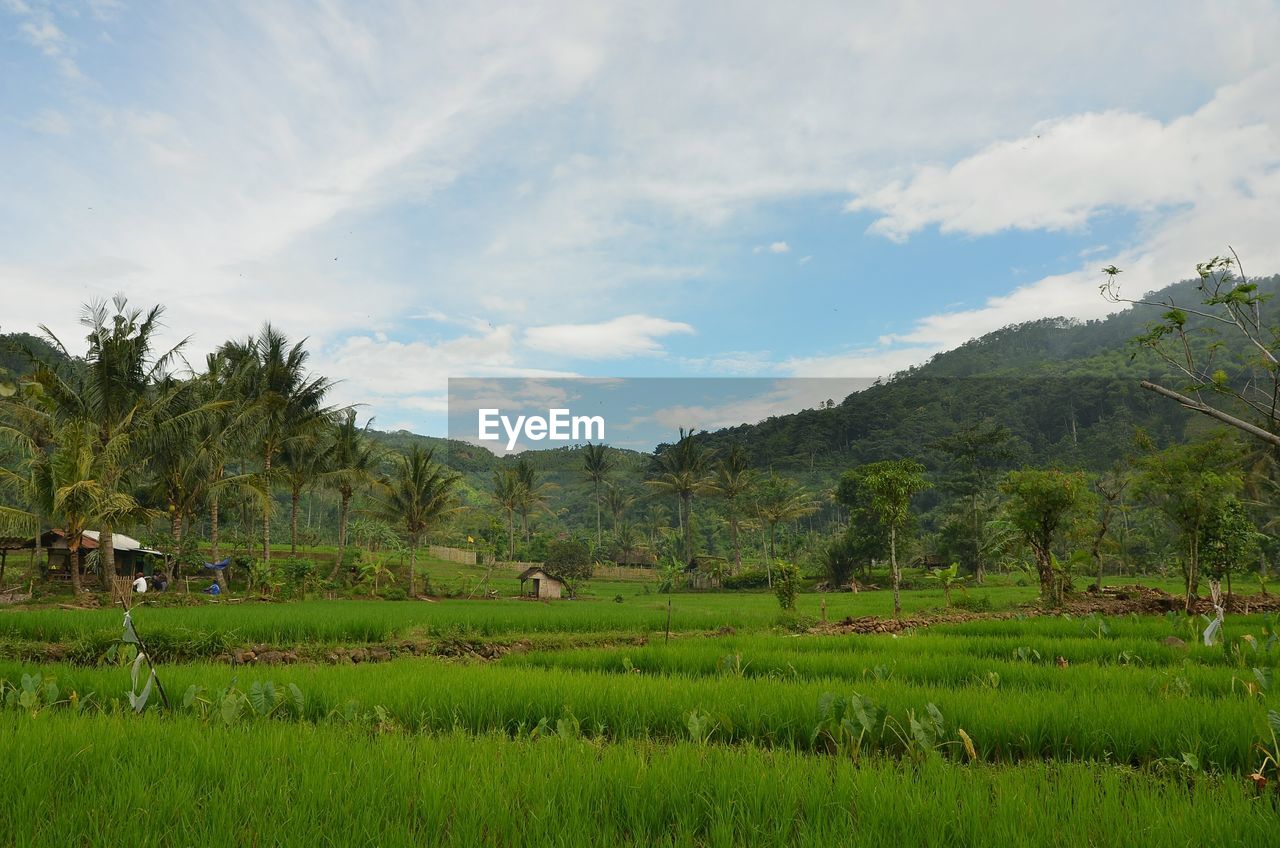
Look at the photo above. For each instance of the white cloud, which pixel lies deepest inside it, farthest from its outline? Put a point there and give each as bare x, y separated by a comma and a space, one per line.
39, 29
617, 338
1199, 184
398, 378
1070, 169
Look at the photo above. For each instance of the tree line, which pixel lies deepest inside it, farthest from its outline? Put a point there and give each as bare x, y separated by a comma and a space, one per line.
126, 435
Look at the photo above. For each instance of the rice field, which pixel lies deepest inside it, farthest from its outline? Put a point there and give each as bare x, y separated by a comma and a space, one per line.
169, 781
375, 621
1049, 730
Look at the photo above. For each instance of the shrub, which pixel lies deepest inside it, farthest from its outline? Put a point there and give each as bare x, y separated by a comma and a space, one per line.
786, 575
748, 578
393, 593
298, 570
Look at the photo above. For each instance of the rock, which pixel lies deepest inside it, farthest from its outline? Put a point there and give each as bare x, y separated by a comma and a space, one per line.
1173, 642
245, 657
359, 655
270, 657
379, 655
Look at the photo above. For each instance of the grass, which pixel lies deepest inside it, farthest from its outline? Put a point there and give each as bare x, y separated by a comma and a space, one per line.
150, 781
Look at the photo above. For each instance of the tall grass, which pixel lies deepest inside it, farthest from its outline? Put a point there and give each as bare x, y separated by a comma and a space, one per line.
111, 780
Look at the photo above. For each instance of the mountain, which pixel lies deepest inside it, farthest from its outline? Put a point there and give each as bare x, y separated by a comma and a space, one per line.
1067, 390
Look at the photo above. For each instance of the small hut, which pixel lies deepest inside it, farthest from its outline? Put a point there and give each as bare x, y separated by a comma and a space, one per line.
929, 562
544, 585
129, 552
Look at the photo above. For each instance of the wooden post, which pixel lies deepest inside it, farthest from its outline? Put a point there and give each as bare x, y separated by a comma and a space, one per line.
668, 637
824, 610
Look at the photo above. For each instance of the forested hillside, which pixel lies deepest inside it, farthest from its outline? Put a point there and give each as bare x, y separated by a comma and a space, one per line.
1067, 390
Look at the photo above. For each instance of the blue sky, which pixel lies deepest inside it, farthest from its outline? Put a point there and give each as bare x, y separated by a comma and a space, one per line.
816, 189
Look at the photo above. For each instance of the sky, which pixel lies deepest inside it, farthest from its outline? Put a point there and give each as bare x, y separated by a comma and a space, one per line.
656, 189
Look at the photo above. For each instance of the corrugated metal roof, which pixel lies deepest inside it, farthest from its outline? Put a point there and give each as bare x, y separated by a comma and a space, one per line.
119, 541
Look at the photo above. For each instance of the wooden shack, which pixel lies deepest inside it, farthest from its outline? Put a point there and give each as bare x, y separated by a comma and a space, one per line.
542, 584
129, 552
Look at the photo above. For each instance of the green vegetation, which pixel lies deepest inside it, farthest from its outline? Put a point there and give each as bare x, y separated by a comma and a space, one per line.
951, 685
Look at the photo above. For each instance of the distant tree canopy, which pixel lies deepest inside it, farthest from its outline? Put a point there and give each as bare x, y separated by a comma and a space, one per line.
570, 560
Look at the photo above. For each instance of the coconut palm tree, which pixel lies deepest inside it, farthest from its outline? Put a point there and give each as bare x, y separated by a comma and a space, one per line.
80, 497
418, 496
656, 516
733, 484
224, 435
596, 464
24, 430
114, 387
304, 460
627, 539
535, 493
508, 494
682, 471
287, 400
781, 500
178, 467
352, 465
618, 500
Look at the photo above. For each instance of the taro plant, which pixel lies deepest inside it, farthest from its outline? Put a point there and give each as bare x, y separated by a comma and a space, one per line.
263, 699
921, 736
1096, 626
845, 724
34, 693
701, 727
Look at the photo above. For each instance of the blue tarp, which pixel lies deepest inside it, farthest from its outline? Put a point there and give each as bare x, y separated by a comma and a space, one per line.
221, 564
